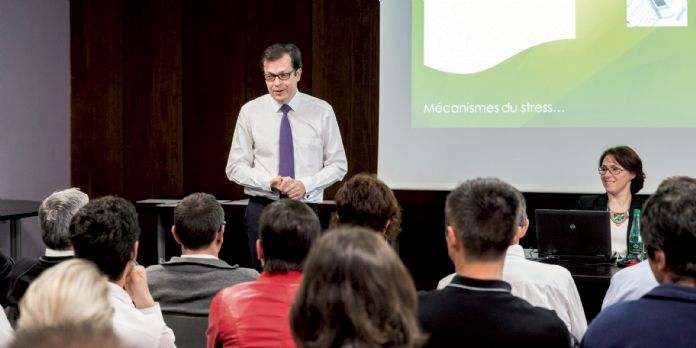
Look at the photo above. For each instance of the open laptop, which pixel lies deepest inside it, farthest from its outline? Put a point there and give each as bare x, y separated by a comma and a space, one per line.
573, 235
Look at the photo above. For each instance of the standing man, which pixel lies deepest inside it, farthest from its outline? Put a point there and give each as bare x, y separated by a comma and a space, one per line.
286, 143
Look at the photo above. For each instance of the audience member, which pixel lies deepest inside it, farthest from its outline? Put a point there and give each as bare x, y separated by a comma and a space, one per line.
83, 335
187, 284
621, 172
106, 231
355, 293
256, 314
630, 283
6, 264
72, 292
665, 316
364, 200
542, 285
477, 308
55, 213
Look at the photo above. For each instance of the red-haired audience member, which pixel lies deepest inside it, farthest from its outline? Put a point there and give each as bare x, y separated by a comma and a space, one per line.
55, 213
543, 285
366, 201
355, 293
186, 285
477, 309
106, 231
255, 314
665, 316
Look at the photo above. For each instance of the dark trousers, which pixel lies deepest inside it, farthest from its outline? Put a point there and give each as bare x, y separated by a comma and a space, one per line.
251, 223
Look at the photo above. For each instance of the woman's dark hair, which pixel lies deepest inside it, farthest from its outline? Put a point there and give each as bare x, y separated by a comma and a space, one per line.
355, 292
630, 161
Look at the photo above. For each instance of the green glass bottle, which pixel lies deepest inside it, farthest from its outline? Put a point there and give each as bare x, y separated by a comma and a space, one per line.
635, 252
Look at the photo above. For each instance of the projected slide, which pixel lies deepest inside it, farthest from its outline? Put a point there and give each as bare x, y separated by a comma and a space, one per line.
552, 64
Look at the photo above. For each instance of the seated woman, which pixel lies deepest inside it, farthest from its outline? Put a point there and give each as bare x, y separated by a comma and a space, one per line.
355, 293
621, 172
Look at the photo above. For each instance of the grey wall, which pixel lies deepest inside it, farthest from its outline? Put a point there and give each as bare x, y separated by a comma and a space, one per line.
34, 107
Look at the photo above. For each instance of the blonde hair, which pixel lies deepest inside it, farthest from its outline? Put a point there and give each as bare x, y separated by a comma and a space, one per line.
72, 292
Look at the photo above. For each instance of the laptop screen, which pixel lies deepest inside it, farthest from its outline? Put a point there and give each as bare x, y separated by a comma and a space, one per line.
573, 233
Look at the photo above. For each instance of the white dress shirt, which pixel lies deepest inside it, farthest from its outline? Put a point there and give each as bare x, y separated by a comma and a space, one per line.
630, 283
138, 328
320, 159
542, 285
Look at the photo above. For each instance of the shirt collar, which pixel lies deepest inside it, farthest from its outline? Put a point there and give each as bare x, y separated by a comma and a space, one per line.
672, 291
286, 277
58, 253
120, 294
199, 256
294, 103
473, 284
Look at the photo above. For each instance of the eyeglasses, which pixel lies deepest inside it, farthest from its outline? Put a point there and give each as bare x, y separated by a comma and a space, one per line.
613, 170
282, 76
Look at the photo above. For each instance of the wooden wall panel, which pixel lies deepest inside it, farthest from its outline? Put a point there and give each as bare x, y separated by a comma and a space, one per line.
272, 21
96, 58
346, 74
222, 43
158, 84
152, 99
213, 91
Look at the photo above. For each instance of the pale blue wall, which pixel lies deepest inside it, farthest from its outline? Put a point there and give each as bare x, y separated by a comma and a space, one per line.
34, 107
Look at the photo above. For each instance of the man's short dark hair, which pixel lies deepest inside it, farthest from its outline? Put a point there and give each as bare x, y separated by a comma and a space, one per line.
365, 200
198, 218
276, 51
287, 229
669, 224
105, 231
485, 214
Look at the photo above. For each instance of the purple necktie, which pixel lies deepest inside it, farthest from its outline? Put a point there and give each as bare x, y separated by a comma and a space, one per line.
286, 160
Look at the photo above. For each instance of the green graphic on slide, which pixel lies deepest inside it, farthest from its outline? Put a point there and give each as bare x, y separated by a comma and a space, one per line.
609, 76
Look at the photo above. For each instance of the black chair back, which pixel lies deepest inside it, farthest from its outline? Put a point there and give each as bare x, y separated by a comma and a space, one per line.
189, 330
